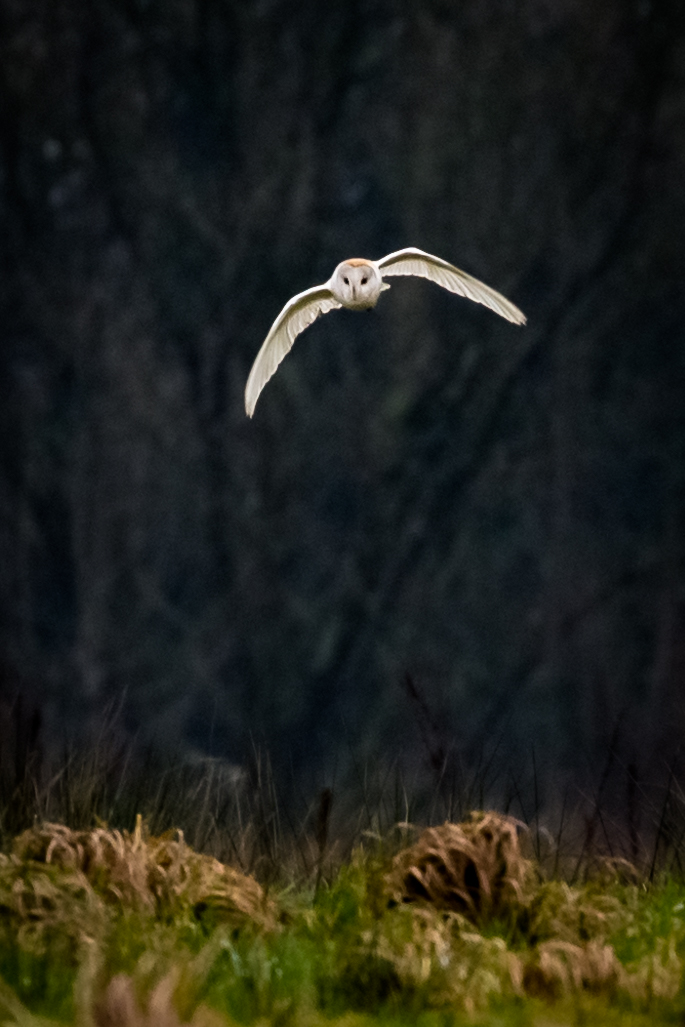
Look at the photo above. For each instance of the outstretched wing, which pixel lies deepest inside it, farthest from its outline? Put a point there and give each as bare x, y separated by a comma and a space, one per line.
415, 262
297, 314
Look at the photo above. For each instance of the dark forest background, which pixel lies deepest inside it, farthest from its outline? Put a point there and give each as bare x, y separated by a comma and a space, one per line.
441, 535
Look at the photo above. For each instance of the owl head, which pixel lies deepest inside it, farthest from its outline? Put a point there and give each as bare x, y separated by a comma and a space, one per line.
357, 283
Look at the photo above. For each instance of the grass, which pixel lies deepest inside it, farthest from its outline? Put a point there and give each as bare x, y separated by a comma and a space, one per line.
103, 927
342, 915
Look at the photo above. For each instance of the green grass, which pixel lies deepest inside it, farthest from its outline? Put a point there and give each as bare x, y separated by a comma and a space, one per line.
340, 954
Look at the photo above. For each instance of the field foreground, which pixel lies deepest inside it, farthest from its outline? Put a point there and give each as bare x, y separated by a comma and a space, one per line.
103, 928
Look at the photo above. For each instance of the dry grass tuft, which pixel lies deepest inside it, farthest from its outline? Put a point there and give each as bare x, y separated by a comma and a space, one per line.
120, 1007
474, 871
572, 914
68, 894
607, 870
656, 975
41, 903
135, 870
441, 953
475, 868
558, 968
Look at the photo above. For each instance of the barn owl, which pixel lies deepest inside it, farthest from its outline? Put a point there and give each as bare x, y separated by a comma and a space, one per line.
357, 284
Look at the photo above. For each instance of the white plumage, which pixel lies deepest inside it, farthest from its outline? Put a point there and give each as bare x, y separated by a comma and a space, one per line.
357, 284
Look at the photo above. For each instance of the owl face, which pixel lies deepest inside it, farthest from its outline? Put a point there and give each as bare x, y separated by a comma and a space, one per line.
356, 284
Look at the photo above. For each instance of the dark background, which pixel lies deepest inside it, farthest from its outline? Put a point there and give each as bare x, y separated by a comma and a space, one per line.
441, 535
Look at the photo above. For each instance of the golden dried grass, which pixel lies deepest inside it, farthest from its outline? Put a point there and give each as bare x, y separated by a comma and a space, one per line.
461, 873
440, 952
151, 874
475, 868
658, 974
41, 903
119, 1006
558, 910
557, 968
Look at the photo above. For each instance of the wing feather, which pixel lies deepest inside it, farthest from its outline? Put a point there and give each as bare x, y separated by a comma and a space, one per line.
298, 313
412, 261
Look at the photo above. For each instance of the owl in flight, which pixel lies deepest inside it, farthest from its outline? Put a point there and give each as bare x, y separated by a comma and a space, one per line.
357, 284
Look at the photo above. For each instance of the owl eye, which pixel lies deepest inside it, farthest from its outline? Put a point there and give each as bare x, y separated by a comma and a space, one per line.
364, 281
346, 281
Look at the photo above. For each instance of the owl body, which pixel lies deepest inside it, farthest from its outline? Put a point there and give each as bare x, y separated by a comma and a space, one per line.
357, 284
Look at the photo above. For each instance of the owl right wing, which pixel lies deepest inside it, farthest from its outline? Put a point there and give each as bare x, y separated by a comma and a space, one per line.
298, 313
412, 261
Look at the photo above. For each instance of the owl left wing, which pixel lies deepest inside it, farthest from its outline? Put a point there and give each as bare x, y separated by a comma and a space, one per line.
415, 262
298, 313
